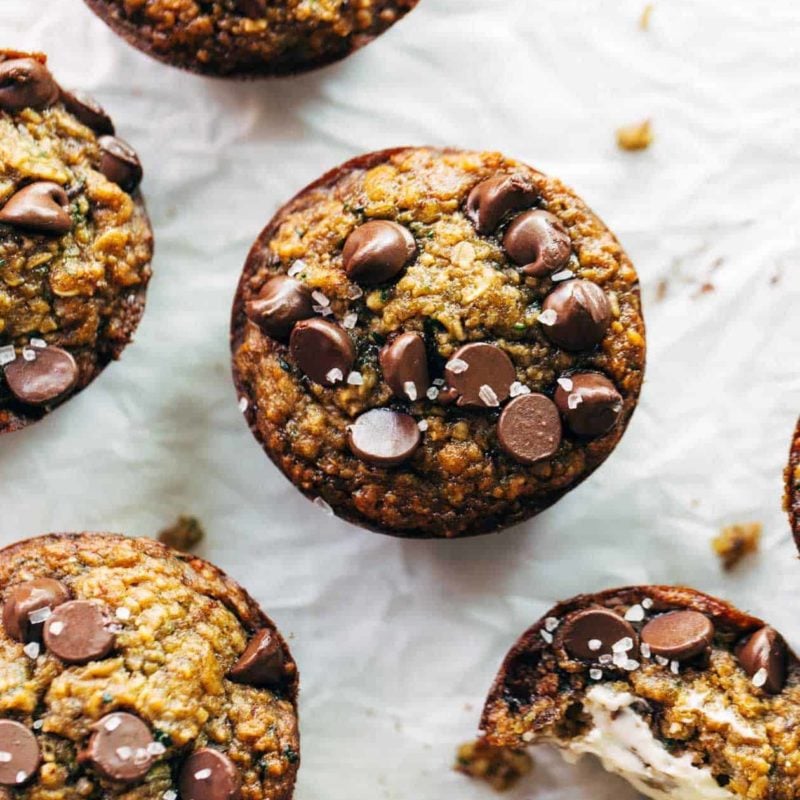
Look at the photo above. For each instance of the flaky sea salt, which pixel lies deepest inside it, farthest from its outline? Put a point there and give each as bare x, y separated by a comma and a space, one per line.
630, 665
565, 383
760, 678
488, 395
354, 292
594, 645
606, 658
169, 795
432, 393
644, 649
320, 503
623, 645
423, 425
243, 404
410, 388
547, 636
202, 774
647, 603
7, 354
456, 366
516, 389
39, 344
355, 379
438, 381
635, 613
296, 268
38, 724
28, 354
156, 749
21, 776
551, 623
334, 375
112, 724
124, 753
563, 275
39, 615
31, 650
350, 320
5, 756
56, 628
321, 298
661, 661
326, 311
675, 667
573, 401
548, 317
596, 674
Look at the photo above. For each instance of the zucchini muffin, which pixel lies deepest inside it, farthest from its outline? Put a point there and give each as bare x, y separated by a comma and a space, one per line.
437, 343
792, 476
250, 38
131, 670
679, 693
75, 241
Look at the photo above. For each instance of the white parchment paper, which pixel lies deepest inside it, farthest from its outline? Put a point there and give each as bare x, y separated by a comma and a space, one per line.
398, 641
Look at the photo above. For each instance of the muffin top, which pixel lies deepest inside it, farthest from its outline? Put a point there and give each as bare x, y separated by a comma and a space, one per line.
437, 342
250, 38
75, 242
129, 669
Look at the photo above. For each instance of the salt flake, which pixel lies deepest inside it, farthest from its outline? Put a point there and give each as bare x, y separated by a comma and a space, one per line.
565, 383
334, 375
457, 366
355, 379
410, 388
296, 268
548, 317
488, 395
635, 613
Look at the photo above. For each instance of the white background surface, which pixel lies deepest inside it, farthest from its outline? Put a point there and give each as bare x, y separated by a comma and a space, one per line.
398, 641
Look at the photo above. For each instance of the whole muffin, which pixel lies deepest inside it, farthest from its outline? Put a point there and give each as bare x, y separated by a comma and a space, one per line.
132, 670
437, 342
250, 38
75, 241
681, 694
792, 482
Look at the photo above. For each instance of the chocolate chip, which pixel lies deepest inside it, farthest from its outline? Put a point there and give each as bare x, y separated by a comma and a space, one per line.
593, 632
41, 207
20, 753
78, 632
679, 635
42, 376
119, 163
589, 403
376, 251
481, 373
405, 366
26, 83
26, 598
262, 662
763, 657
538, 242
492, 199
322, 350
576, 315
281, 302
529, 429
209, 775
120, 748
384, 437
88, 111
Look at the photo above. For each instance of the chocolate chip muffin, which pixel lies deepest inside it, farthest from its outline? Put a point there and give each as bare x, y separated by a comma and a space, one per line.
678, 692
250, 38
792, 476
75, 242
132, 670
437, 343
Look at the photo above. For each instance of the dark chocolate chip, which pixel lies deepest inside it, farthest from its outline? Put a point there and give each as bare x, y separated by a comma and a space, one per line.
20, 753
26, 598
41, 207
42, 376
679, 635
281, 303
26, 83
78, 632
538, 242
529, 429
492, 199
376, 251
593, 632
576, 315
88, 111
481, 373
119, 163
322, 350
384, 437
763, 657
405, 366
120, 748
589, 403
262, 663
209, 775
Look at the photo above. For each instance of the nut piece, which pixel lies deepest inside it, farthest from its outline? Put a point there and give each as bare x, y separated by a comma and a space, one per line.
638, 136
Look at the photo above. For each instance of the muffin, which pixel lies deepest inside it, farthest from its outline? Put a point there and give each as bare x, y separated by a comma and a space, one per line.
75, 241
249, 38
132, 670
437, 343
792, 477
678, 692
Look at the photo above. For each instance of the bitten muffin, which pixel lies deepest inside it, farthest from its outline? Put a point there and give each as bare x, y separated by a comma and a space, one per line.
678, 692
132, 670
250, 38
792, 476
437, 342
75, 241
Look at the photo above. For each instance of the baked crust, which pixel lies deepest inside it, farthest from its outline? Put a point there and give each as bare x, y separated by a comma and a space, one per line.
792, 482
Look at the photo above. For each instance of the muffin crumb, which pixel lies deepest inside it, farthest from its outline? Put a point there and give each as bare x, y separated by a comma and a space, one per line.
500, 767
644, 19
636, 136
184, 534
737, 541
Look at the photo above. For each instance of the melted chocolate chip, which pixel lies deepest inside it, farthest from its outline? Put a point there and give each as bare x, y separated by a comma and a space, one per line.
20, 753
26, 598
481, 373
50, 375
41, 207
209, 775
679, 635
576, 315
88, 111
119, 748
538, 242
765, 650
322, 350
281, 303
26, 83
589, 403
78, 632
119, 163
529, 429
405, 366
262, 662
384, 437
376, 251
492, 199
593, 632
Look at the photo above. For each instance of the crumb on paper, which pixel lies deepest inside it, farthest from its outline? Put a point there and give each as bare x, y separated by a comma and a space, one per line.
184, 534
644, 20
734, 542
636, 136
500, 767
662, 289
